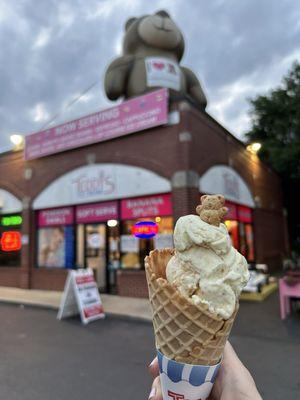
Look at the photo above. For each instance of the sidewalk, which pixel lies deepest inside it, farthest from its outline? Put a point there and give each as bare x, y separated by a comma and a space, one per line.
114, 305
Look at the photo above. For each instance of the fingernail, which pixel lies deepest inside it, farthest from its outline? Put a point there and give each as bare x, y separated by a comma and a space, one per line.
152, 362
152, 393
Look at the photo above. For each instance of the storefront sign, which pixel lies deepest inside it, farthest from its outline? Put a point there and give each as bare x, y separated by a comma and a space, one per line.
151, 206
11, 241
232, 211
96, 212
225, 180
12, 220
134, 115
145, 229
129, 244
81, 295
100, 182
245, 214
55, 217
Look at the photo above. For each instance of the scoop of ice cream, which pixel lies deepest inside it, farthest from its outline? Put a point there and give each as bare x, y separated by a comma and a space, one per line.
206, 267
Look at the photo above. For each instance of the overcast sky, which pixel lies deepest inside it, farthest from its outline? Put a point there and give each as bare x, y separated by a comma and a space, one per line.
53, 50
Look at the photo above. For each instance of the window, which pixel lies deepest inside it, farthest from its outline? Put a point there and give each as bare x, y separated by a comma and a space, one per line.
56, 247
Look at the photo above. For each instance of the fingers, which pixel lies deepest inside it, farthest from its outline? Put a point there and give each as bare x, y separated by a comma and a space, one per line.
230, 357
155, 393
153, 368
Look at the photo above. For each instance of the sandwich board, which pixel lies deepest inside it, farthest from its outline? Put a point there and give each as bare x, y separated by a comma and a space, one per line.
81, 296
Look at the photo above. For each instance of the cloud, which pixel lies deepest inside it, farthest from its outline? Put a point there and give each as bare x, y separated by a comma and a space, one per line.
52, 51
39, 113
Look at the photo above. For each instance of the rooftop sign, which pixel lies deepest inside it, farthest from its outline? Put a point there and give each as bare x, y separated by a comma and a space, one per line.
134, 115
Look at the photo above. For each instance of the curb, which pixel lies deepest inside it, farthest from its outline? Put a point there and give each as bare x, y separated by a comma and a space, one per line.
127, 317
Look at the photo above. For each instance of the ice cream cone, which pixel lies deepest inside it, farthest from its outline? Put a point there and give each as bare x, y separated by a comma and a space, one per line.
184, 332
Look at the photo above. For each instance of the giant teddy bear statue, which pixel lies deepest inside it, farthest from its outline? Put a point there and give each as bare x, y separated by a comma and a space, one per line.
152, 49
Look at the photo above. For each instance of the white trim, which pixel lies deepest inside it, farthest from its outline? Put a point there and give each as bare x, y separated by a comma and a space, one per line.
164, 365
100, 182
186, 372
9, 203
210, 373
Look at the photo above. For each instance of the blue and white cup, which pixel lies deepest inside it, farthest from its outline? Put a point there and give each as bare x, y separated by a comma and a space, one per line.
185, 381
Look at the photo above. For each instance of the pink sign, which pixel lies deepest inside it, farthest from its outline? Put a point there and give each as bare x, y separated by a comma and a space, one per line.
134, 115
232, 211
96, 212
245, 214
142, 207
55, 216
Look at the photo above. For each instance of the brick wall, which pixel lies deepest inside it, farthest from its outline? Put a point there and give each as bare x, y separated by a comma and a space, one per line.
132, 284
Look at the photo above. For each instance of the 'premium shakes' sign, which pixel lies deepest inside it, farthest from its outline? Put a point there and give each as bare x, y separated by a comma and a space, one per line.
55, 217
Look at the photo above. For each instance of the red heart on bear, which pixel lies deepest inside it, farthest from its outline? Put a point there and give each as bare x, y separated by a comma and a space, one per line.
159, 65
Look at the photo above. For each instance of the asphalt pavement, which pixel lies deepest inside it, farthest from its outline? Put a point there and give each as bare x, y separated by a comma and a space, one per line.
42, 358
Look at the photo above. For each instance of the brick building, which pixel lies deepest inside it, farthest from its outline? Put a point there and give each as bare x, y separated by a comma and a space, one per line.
78, 207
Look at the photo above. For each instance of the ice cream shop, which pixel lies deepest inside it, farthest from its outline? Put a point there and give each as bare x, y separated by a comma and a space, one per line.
99, 223
104, 190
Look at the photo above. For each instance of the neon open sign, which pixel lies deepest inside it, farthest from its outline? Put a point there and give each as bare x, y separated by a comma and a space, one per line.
12, 220
145, 229
11, 241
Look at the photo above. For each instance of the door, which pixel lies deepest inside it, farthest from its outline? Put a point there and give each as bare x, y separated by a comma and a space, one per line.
95, 252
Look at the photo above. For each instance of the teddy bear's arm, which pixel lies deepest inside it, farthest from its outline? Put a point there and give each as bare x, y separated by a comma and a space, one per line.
194, 88
116, 76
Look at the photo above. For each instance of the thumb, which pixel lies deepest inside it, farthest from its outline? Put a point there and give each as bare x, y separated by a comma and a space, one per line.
153, 368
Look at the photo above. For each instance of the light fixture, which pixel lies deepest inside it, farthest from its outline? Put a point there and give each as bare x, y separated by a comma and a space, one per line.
17, 140
112, 223
254, 147
158, 219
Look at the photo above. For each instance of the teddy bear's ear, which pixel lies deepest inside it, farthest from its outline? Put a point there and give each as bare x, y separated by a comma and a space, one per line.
162, 13
129, 22
203, 197
220, 197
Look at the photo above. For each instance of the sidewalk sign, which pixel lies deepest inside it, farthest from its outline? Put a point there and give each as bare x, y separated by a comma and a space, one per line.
81, 296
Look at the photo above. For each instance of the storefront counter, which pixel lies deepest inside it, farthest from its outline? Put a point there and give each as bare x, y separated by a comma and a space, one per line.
132, 283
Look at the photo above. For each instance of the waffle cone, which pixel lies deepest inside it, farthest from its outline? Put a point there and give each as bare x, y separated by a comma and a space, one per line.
184, 332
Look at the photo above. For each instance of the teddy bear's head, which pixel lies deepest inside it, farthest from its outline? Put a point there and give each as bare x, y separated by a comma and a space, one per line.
212, 209
154, 31
212, 202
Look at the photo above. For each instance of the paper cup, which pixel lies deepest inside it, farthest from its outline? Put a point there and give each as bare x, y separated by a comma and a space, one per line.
185, 381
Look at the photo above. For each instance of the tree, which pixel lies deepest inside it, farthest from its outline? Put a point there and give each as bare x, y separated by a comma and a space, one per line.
276, 125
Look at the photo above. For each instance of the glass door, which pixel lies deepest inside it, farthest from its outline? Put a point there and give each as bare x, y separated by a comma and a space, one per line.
95, 252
